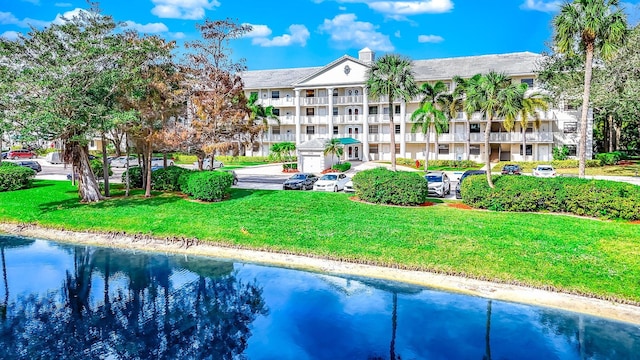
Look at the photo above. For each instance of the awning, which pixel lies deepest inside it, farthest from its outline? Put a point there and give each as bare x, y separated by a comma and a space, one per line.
349, 141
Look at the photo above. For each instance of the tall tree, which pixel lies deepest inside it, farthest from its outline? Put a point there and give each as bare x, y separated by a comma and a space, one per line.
457, 104
259, 116
431, 113
494, 95
333, 147
595, 28
391, 76
528, 111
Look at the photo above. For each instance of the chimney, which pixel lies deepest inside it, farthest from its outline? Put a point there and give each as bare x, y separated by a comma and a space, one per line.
367, 55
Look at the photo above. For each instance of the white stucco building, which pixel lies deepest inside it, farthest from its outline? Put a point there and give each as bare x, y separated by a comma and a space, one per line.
330, 102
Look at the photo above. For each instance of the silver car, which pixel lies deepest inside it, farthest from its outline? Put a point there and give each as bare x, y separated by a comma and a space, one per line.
544, 171
439, 184
206, 164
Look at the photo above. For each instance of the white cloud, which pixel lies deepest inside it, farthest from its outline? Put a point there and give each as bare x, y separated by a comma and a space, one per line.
401, 9
177, 35
430, 39
397, 34
63, 4
541, 5
345, 31
183, 9
10, 35
69, 15
298, 34
258, 31
151, 28
7, 18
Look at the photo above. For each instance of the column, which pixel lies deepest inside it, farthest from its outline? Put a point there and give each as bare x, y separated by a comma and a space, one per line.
365, 124
330, 112
403, 123
298, 126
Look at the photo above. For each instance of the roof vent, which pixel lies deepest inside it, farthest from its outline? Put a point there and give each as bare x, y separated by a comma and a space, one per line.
366, 55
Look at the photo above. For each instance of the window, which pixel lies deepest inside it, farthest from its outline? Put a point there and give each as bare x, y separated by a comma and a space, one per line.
373, 110
397, 149
573, 151
356, 131
335, 111
443, 149
397, 109
397, 129
276, 112
310, 111
385, 110
310, 93
373, 149
356, 111
335, 92
275, 94
527, 81
335, 130
474, 149
474, 128
570, 127
311, 130
275, 130
529, 150
373, 129
256, 146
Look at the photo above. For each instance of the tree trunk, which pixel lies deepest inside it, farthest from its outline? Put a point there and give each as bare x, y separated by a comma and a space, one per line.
105, 167
588, 69
426, 153
128, 177
608, 133
618, 130
1, 134
524, 143
437, 143
147, 168
88, 187
487, 150
468, 142
392, 135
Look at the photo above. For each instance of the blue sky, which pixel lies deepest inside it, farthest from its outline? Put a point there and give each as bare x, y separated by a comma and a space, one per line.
300, 33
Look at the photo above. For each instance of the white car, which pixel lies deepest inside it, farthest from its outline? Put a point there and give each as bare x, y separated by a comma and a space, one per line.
158, 161
544, 171
206, 164
331, 182
438, 183
348, 187
121, 161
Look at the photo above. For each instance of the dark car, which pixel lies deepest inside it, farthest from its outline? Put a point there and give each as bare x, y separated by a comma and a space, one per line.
511, 170
4, 154
465, 175
30, 164
300, 181
21, 154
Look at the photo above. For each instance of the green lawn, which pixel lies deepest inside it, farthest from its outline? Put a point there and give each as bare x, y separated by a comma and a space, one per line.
575, 254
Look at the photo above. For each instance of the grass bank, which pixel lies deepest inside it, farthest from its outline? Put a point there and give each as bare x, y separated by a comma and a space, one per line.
573, 254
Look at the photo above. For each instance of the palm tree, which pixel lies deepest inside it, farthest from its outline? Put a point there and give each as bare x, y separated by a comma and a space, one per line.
458, 103
436, 94
494, 95
257, 112
530, 104
392, 76
425, 116
594, 28
333, 147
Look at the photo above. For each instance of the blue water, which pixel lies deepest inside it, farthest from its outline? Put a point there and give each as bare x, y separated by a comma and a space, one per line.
60, 301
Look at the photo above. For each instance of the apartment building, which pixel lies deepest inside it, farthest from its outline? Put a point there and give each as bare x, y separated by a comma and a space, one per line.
331, 102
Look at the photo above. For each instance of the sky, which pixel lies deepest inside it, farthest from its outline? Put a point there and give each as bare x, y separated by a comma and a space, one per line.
303, 33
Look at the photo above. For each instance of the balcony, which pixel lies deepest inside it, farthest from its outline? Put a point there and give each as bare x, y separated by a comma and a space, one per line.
512, 137
347, 119
317, 100
278, 102
278, 137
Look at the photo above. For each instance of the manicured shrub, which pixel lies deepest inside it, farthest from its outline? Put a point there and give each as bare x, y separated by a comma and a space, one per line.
166, 179
560, 152
13, 177
596, 198
610, 158
7, 163
342, 166
382, 186
97, 169
135, 177
207, 185
458, 164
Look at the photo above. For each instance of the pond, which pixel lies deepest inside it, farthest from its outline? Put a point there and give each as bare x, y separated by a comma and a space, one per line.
62, 301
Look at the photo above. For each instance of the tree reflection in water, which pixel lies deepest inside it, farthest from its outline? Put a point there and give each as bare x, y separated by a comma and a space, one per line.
206, 318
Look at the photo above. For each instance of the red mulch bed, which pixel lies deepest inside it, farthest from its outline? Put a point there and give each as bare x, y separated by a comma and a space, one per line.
460, 206
427, 203
637, 222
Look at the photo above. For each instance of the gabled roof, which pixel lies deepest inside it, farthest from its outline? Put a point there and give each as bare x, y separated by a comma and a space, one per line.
280, 78
314, 144
331, 65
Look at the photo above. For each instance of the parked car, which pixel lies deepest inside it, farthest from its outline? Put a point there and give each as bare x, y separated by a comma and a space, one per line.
121, 161
54, 158
158, 161
34, 165
235, 176
4, 154
439, 184
331, 182
511, 170
544, 171
21, 154
348, 187
206, 164
464, 176
300, 181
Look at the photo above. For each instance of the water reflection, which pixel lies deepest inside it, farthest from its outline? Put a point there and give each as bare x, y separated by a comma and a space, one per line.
117, 304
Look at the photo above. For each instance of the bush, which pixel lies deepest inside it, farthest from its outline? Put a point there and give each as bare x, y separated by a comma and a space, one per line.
596, 198
7, 163
206, 185
527, 166
14, 177
458, 164
135, 177
610, 158
560, 152
345, 166
382, 186
97, 169
167, 179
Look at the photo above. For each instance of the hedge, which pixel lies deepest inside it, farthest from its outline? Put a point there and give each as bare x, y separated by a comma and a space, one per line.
14, 177
345, 166
611, 158
527, 166
135, 177
458, 164
167, 179
595, 198
206, 185
382, 186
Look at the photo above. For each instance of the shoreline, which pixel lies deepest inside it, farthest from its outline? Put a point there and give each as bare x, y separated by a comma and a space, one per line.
490, 290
